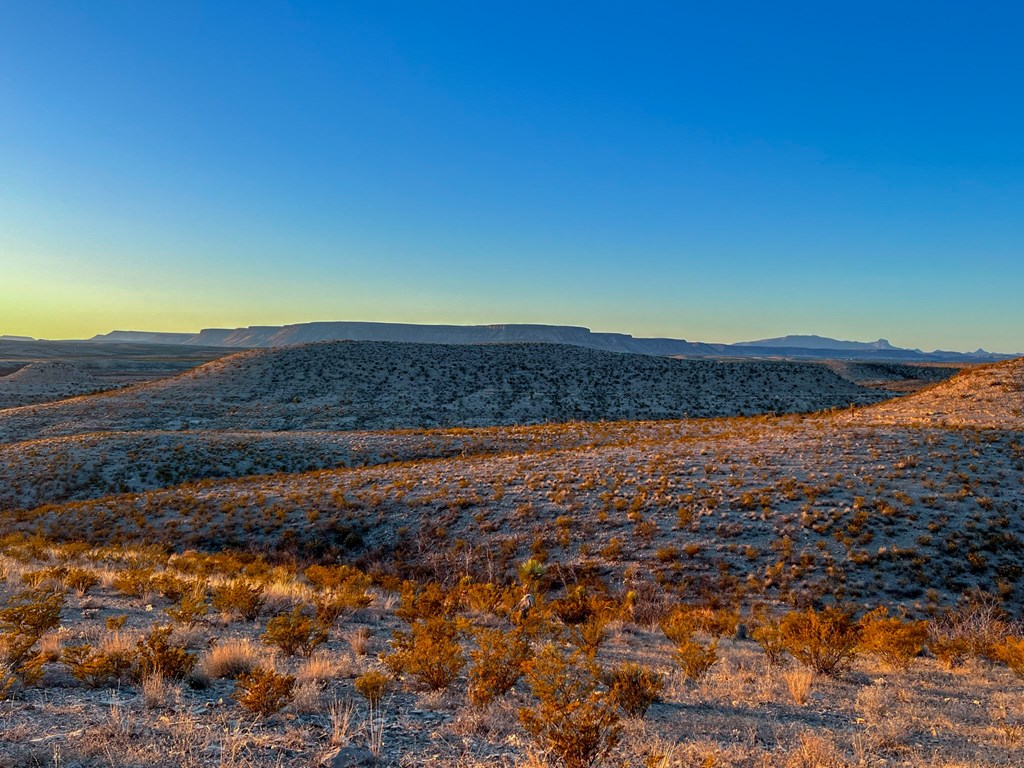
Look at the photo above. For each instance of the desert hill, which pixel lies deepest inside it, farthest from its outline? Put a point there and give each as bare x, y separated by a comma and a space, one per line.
46, 381
877, 504
385, 385
54, 370
792, 508
985, 396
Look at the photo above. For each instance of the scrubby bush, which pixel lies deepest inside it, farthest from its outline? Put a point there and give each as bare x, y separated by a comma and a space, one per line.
974, 629
80, 580
264, 691
239, 597
496, 664
894, 641
24, 619
572, 720
429, 654
768, 635
425, 602
825, 640
372, 685
98, 667
134, 582
716, 622
342, 588
694, 658
634, 688
294, 633
157, 654
590, 635
577, 606
487, 597
191, 606
170, 586
1011, 653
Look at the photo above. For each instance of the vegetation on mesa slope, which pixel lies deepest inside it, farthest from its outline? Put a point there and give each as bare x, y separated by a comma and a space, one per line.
378, 385
652, 550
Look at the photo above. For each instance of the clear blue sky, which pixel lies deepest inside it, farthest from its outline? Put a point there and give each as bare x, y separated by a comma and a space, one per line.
712, 171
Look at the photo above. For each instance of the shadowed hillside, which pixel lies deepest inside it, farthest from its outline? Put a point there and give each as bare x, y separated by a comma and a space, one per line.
382, 385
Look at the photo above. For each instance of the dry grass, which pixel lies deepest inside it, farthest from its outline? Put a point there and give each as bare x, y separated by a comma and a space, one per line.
319, 667
342, 717
359, 640
308, 697
232, 657
799, 681
156, 691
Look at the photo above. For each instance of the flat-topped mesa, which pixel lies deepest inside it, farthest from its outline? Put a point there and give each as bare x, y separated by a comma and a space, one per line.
791, 347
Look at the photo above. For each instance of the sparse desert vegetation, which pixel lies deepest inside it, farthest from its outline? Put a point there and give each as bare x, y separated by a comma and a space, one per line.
838, 588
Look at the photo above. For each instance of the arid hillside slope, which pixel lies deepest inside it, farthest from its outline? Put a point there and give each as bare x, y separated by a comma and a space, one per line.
983, 396
384, 385
46, 381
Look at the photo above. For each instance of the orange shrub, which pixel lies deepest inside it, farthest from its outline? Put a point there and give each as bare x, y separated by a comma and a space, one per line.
826, 640
264, 691
294, 633
894, 641
634, 688
497, 664
429, 654
572, 719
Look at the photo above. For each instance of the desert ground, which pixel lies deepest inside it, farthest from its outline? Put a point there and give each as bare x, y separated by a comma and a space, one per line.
317, 555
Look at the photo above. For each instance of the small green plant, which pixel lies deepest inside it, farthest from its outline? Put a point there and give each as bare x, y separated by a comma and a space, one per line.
294, 633
531, 572
429, 653
372, 685
264, 691
825, 640
496, 664
239, 597
634, 688
572, 719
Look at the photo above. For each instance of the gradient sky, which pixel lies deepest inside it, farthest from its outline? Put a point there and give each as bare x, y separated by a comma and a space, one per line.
710, 171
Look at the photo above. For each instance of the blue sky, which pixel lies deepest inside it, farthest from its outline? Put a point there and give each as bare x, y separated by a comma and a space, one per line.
715, 172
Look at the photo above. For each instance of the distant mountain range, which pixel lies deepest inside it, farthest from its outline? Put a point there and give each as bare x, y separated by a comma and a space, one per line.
784, 346
819, 342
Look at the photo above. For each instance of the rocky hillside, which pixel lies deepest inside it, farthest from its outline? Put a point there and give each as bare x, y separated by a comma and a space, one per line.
985, 396
382, 385
44, 382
